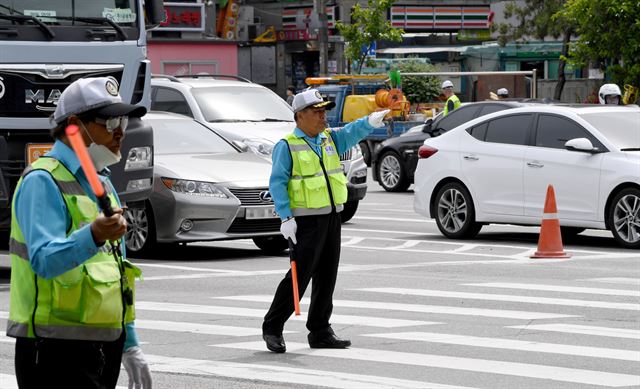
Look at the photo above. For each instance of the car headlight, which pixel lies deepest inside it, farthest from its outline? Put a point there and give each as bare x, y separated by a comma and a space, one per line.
196, 188
139, 158
262, 147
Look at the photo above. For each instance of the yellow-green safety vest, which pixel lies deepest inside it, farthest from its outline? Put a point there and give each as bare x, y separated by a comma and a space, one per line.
86, 302
315, 185
456, 104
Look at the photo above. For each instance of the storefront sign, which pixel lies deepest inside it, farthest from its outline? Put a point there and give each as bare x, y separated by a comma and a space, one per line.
429, 18
303, 17
183, 17
296, 35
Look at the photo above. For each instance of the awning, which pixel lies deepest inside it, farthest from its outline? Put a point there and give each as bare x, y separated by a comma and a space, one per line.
421, 50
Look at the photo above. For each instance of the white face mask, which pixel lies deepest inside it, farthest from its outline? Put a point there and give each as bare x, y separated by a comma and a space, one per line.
100, 155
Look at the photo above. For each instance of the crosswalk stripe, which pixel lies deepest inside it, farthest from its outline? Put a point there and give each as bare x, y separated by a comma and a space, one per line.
270, 373
446, 310
505, 297
517, 345
618, 280
555, 373
248, 312
5, 339
559, 288
393, 219
583, 330
196, 328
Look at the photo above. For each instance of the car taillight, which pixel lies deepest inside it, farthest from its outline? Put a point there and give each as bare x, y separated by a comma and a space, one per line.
426, 151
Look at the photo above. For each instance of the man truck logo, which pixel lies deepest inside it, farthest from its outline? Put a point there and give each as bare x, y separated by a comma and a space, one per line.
38, 97
265, 196
1, 87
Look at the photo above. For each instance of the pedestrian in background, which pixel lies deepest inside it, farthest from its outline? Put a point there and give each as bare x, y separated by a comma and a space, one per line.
291, 92
309, 189
453, 102
610, 94
503, 93
71, 308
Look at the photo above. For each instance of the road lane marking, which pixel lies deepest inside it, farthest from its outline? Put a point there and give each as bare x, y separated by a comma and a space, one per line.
517, 345
367, 321
271, 373
190, 268
394, 219
555, 373
617, 280
505, 297
583, 330
559, 288
196, 328
445, 310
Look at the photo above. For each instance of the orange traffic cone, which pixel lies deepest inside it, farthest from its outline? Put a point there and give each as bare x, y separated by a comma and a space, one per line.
550, 242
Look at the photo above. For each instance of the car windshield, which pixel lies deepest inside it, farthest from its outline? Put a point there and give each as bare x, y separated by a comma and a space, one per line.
242, 104
620, 128
186, 137
67, 12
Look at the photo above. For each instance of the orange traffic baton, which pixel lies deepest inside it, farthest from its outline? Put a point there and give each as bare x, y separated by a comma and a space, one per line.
73, 133
294, 278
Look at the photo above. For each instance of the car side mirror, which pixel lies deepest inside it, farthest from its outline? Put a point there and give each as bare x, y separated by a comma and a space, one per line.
581, 144
427, 125
241, 145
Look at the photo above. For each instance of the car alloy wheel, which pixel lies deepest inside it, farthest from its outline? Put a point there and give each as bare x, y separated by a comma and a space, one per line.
138, 229
455, 215
624, 218
391, 173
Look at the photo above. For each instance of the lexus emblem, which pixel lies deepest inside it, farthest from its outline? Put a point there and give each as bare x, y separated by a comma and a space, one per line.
265, 196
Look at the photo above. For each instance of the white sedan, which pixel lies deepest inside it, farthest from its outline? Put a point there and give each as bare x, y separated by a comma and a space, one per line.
496, 169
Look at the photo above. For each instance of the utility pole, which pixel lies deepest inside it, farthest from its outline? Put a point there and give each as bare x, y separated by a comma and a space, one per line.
323, 38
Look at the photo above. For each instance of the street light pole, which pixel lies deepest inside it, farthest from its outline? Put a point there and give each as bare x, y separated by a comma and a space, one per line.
321, 10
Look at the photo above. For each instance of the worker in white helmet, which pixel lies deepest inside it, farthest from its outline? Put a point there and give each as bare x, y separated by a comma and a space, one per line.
453, 102
609, 94
503, 93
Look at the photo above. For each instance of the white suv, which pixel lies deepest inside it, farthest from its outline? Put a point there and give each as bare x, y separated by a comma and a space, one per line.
246, 113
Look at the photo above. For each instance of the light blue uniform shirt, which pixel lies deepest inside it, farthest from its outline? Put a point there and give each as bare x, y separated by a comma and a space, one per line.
344, 139
44, 220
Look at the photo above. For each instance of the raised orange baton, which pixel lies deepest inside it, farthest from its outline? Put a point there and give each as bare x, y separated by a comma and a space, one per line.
73, 133
294, 279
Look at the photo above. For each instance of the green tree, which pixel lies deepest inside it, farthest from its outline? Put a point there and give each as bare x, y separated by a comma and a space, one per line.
368, 25
538, 19
419, 89
609, 35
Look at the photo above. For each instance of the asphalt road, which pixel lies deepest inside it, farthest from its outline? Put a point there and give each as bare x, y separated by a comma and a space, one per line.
422, 311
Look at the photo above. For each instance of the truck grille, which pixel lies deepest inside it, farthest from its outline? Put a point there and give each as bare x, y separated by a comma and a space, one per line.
244, 226
250, 196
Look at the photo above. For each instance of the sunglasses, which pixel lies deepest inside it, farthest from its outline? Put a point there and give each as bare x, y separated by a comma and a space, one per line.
114, 122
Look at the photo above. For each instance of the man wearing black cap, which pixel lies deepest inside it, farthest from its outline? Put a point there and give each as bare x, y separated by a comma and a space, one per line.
71, 308
309, 189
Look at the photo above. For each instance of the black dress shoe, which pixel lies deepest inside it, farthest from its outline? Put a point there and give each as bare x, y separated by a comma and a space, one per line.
275, 343
327, 340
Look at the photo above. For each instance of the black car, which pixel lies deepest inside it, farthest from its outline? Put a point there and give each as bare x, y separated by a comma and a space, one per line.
394, 160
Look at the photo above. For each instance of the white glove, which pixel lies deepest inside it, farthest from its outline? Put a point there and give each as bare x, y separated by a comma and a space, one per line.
375, 118
137, 368
288, 229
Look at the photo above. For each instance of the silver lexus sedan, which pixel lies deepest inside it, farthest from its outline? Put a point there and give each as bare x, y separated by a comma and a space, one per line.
205, 188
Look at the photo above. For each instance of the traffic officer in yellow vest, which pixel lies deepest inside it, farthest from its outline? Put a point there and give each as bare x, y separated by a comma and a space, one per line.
71, 308
309, 189
453, 102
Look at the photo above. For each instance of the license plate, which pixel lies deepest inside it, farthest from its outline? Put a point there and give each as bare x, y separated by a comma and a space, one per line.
260, 213
37, 150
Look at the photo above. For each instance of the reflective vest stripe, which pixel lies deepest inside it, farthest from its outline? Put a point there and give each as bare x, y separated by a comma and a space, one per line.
18, 248
315, 211
64, 332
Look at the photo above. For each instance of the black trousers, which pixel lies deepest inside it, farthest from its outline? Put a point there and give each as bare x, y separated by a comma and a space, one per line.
61, 363
317, 255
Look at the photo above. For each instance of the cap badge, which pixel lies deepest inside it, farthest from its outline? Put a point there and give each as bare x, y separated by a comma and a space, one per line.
112, 88
318, 95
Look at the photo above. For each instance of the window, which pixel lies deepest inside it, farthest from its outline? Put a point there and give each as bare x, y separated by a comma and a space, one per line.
555, 131
457, 117
171, 101
513, 130
479, 131
491, 108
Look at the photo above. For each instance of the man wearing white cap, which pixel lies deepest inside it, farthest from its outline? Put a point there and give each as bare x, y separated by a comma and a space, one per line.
453, 102
309, 189
71, 308
503, 93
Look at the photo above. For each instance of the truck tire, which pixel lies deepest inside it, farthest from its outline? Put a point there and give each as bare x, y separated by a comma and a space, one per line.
350, 208
366, 153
